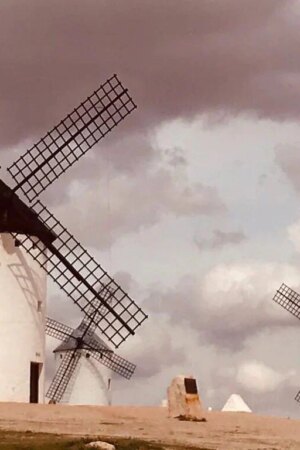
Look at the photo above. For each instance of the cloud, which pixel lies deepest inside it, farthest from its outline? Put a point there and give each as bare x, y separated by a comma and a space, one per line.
175, 157
178, 60
127, 204
156, 348
293, 232
288, 159
220, 239
230, 303
265, 389
258, 378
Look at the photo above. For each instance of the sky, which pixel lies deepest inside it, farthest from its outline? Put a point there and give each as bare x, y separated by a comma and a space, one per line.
192, 202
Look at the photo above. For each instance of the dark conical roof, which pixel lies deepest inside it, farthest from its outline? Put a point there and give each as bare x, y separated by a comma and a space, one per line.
89, 340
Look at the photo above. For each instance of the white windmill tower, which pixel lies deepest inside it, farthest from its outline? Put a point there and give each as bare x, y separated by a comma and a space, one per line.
22, 314
49, 246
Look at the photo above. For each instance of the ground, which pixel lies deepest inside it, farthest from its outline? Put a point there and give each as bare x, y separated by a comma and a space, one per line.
222, 431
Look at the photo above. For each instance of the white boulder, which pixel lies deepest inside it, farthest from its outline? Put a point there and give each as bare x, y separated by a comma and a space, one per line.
102, 445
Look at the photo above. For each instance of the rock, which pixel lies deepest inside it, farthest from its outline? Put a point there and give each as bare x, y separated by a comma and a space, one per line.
183, 399
102, 445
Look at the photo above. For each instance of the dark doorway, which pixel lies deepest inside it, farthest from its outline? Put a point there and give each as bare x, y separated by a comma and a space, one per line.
34, 382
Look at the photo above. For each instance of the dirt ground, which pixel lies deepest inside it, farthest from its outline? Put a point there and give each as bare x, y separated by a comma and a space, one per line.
222, 431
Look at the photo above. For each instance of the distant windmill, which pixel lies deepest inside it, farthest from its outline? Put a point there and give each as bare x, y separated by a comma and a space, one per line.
79, 378
54, 249
289, 300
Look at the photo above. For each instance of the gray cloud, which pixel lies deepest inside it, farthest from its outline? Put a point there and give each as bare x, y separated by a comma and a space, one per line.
156, 349
228, 305
178, 59
288, 159
175, 157
219, 239
277, 397
127, 204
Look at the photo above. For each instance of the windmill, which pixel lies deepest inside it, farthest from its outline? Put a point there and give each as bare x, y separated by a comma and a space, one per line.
52, 248
78, 378
289, 300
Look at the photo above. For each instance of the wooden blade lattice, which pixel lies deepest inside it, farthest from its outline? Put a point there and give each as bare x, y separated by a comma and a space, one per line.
84, 280
63, 376
60, 148
288, 299
113, 361
57, 329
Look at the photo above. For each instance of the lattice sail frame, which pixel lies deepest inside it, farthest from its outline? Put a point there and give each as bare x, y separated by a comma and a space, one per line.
60, 148
117, 318
288, 299
63, 375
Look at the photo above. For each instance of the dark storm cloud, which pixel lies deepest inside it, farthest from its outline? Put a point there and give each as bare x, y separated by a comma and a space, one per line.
219, 239
178, 59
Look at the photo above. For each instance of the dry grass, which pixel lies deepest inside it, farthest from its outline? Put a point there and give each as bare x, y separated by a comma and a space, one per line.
12, 440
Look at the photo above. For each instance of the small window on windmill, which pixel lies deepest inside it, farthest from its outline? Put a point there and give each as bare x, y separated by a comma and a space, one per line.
60, 356
39, 306
109, 384
190, 386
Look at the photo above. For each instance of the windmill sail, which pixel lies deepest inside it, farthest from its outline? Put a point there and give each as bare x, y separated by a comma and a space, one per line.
63, 375
290, 301
60, 148
84, 280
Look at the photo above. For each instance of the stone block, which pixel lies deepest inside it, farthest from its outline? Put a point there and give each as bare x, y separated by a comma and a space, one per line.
183, 399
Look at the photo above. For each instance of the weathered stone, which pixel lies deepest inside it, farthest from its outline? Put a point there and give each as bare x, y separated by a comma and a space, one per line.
183, 399
102, 445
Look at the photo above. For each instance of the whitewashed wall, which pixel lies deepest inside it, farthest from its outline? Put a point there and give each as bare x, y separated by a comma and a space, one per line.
90, 383
22, 317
